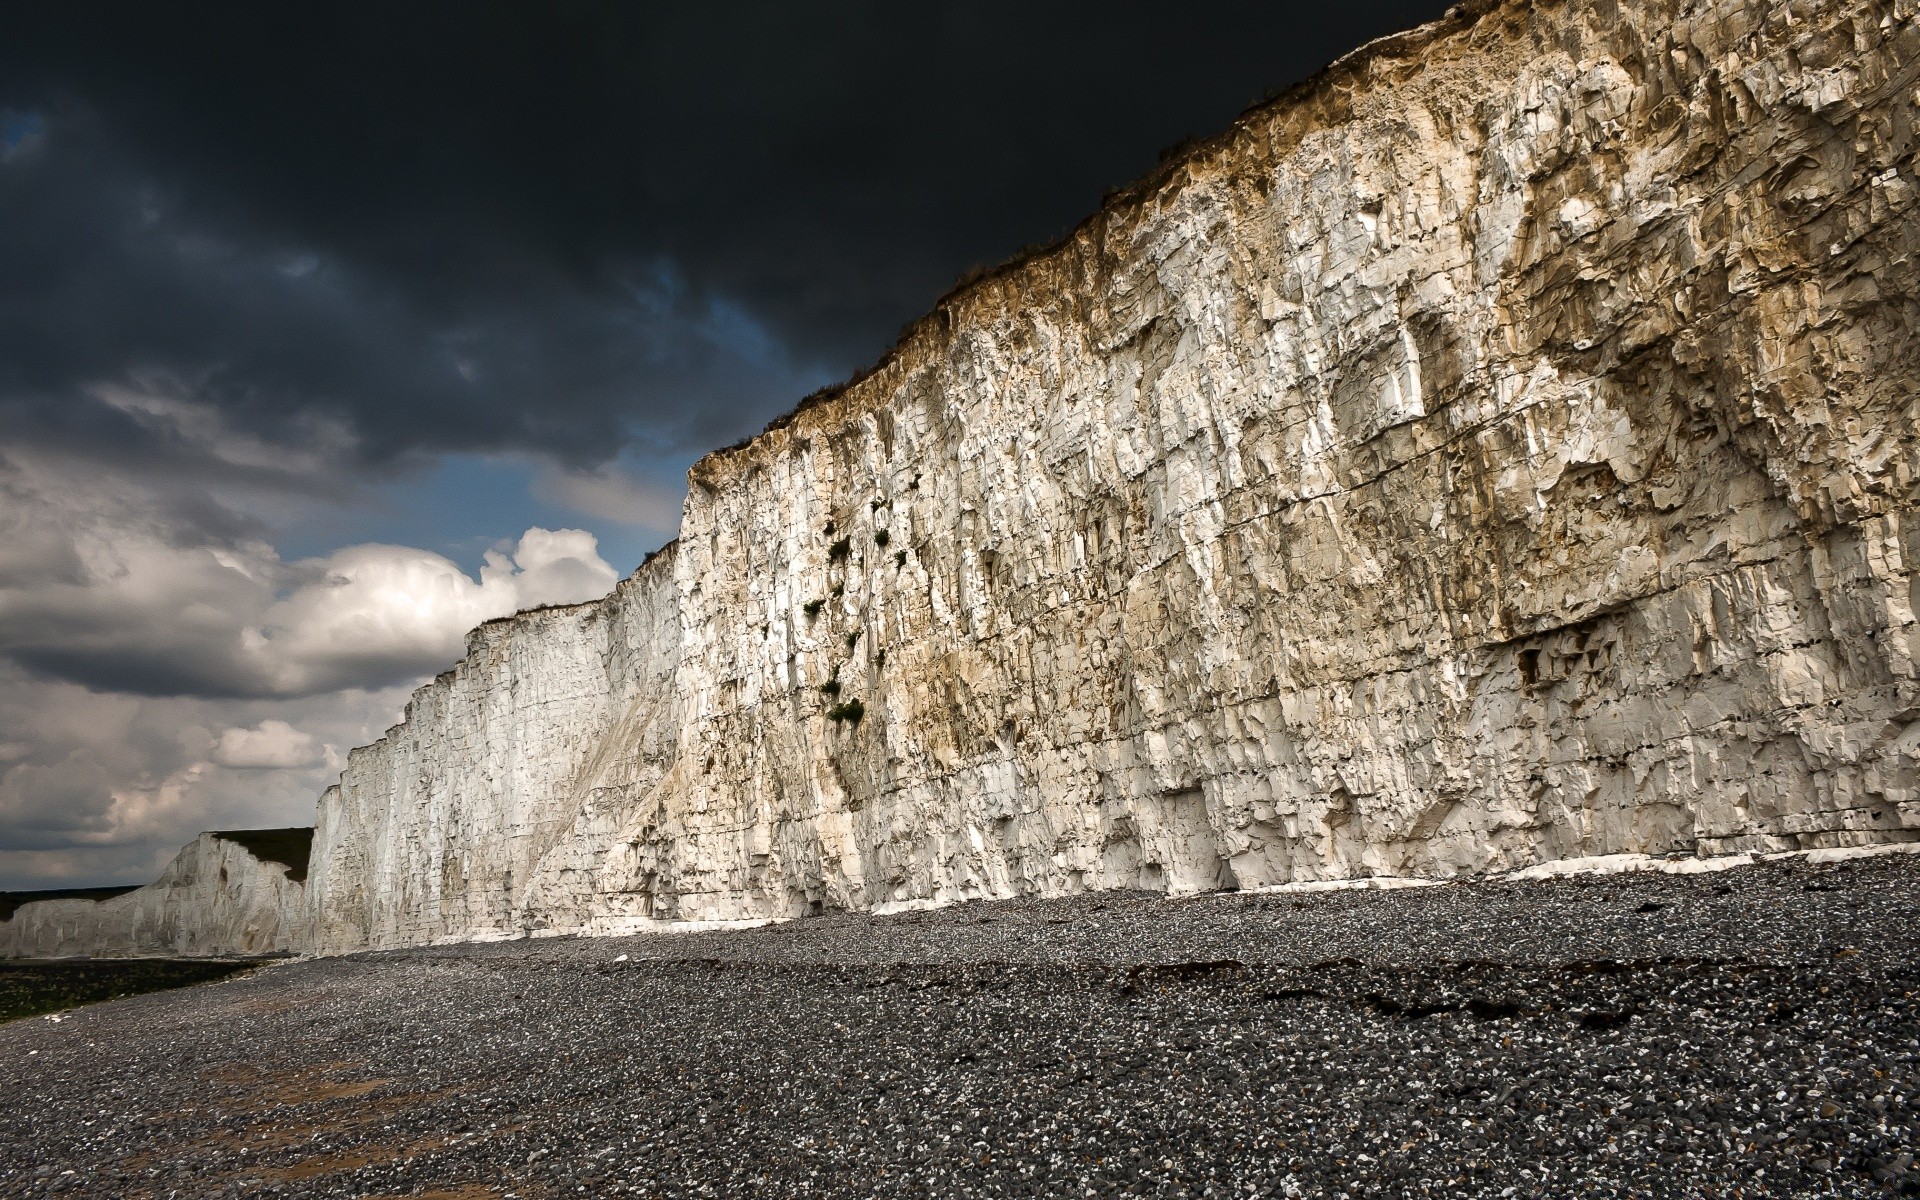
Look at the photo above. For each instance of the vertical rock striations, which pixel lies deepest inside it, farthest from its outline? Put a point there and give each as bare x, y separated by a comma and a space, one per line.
493, 808
1499, 448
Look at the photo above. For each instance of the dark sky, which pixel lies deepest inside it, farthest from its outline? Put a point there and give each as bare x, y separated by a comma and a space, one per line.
616, 214
281, 281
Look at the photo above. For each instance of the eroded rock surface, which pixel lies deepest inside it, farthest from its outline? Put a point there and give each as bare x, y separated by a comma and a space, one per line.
1499, 449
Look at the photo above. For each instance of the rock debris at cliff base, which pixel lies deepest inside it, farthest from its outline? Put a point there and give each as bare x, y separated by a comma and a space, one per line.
1749, 1033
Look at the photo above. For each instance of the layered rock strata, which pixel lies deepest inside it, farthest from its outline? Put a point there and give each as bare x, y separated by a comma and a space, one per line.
217, 898
1499, 449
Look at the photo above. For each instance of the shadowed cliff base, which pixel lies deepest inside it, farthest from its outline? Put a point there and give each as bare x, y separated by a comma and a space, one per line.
1742, 1034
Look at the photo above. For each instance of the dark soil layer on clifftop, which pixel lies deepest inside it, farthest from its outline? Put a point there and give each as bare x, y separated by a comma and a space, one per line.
11, 901
1754, 1032
29, 989
291, 848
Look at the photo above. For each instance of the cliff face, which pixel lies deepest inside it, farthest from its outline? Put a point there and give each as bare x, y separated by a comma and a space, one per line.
493, 807
214, 899
1501, 449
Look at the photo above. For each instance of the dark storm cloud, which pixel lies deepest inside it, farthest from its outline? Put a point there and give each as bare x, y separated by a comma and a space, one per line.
560, 227
113, 276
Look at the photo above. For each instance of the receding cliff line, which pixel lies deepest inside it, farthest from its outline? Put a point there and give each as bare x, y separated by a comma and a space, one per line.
1499, 449
228, 893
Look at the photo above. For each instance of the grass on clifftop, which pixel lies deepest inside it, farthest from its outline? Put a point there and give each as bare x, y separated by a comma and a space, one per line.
9, 901
288, 847
28, 989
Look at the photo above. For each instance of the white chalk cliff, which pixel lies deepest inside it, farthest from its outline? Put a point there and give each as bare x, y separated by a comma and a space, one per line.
216, 898
1499, 449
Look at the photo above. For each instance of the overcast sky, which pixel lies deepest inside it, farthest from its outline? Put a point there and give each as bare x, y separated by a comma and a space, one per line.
330, 330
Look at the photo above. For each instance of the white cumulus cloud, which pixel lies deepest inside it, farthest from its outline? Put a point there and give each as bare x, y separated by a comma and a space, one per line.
271, 745
114, 588
373, 613
163, 670
106, 787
